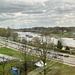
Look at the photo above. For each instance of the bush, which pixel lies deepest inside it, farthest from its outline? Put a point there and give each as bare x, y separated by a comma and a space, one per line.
67, 48
59, 45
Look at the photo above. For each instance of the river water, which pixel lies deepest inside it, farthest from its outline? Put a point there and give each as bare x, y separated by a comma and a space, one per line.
65, 41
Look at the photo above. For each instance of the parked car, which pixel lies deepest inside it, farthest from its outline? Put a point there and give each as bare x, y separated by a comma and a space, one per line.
66, 55
54, 56
37, 49
60, 54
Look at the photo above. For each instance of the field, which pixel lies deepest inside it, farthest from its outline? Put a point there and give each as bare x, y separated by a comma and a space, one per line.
63, 35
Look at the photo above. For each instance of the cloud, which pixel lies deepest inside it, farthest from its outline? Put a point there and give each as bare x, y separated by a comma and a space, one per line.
24, 13
11, 6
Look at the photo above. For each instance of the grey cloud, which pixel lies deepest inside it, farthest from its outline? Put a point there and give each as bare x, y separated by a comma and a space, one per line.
53, 11
9, 7
4, 19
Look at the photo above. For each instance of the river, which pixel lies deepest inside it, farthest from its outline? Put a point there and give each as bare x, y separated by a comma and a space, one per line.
65, 41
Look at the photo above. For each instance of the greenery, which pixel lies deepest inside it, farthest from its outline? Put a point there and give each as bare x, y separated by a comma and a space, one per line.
7, 68
67, 35
59, 45
17, 54
50, 47
8, 33
67, 48
64, 69
0, 45
10, 52
53, 31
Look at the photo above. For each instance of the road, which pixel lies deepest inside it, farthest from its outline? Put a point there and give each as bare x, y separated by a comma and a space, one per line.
18, 47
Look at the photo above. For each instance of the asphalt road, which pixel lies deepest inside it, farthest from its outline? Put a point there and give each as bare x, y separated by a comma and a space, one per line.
32, 50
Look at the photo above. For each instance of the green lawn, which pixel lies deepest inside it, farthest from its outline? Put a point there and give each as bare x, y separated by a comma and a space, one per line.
14, 53
10, 52
0, 45
63, 35
61, 70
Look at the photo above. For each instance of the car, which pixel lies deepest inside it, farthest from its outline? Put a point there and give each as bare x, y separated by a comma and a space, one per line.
48, 52
54, 56
60, 54
66, 55
23, 45
38, 49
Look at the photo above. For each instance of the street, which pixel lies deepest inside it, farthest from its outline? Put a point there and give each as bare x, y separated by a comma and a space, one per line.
32, 50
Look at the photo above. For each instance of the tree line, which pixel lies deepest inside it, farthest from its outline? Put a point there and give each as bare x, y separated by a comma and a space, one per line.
53, 30
7, 32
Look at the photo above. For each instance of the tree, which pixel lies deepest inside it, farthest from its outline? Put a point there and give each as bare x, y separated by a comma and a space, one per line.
9, 32
36, 41
3, 32
67, 48
3, 63
27, 59
56, 30
14, 35
59, 45
44, 43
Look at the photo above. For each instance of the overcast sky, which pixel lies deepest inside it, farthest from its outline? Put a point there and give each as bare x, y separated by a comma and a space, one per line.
32, 13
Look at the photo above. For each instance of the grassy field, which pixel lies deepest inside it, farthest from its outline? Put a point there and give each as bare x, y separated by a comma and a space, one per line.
10, 52
0, 45
63, 69
17, 54
58, 69
63, 35
13, 53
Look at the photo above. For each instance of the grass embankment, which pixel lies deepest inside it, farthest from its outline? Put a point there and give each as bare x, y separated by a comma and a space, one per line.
63, 70
0, 45
13, 53
10, 52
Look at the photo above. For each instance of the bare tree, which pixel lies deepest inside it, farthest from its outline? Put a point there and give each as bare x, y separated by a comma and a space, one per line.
3, 63
45, 44
44, 52
27, 60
